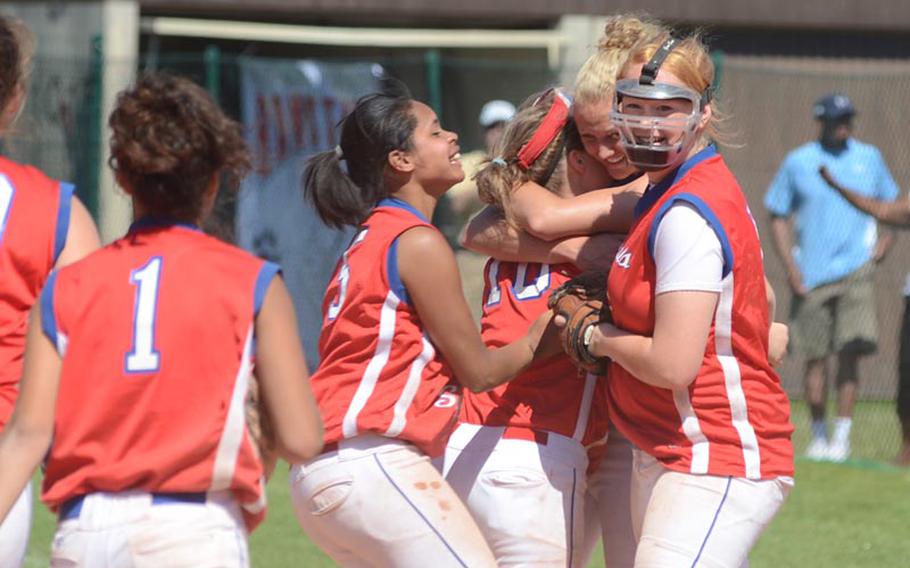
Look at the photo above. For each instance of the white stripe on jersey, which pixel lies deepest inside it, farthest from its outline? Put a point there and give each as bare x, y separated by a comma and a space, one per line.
62, 341
495, 294
258, 505
235, 424
723, 336
374, 368
584, 409
410, 389
692, 429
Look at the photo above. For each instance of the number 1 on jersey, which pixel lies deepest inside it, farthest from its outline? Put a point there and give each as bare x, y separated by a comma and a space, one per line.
144, 358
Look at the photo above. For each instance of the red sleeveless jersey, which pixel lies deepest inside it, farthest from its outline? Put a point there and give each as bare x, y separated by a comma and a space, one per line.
378, 370
550, 395
34, 219
156, 335
734, 419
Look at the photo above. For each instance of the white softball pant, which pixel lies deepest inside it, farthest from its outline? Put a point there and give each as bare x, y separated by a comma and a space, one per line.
138, 530
686, 520
15, 530
527, 495
607, 505
377, 501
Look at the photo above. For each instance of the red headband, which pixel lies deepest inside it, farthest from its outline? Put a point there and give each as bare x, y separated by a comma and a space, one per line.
551, 125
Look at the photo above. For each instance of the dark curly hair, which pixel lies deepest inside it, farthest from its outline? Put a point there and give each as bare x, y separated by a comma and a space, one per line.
169, 139
15, 53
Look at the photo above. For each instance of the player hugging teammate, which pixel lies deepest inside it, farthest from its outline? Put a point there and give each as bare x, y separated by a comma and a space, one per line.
398, 343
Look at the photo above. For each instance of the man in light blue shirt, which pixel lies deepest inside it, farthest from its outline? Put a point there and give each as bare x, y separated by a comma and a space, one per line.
830, 262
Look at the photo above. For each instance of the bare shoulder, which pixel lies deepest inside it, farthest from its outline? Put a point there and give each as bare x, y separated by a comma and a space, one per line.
422, 240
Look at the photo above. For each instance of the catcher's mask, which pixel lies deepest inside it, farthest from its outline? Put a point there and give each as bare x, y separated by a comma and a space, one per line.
656, 142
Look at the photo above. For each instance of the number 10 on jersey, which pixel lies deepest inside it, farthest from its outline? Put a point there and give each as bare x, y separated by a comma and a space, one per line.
144, 358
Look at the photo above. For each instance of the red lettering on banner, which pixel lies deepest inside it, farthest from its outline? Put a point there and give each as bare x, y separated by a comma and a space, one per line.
262, 135
280, 128
328, 105
309, 119
297, 120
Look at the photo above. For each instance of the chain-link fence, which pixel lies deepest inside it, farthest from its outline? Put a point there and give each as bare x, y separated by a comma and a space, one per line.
770, 105
60, 127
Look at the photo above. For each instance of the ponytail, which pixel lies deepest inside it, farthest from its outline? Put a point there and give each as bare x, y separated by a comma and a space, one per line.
346, 183
498, 177
336, 198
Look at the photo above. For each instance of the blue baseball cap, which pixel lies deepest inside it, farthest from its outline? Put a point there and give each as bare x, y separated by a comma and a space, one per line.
833, 106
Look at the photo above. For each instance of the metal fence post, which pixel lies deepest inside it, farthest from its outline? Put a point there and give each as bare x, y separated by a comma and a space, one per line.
717, 56
433, 61
213, 71
94, 126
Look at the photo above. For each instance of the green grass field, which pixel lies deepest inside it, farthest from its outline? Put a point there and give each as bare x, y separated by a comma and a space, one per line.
849, 515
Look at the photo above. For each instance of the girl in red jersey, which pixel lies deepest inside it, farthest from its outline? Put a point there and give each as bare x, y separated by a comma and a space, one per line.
42, 225
608, 479
592, 147
398, 343
690, 383
146, 348
522, 446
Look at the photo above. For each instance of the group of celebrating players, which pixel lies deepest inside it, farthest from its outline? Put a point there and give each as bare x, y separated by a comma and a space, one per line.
662, 428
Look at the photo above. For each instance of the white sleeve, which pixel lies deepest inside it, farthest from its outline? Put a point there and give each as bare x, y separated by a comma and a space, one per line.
687, 253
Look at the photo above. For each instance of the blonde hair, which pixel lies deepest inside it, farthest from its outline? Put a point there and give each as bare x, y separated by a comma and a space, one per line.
597, 77
495, 180
692, 64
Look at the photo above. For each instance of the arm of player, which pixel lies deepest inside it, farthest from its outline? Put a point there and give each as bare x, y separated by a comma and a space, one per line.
283, 377
428, 270
689, 266
671, 358
778, 333
488, 233
772, 299
27, 436
549, 216
81, 236
890, 212
783, 244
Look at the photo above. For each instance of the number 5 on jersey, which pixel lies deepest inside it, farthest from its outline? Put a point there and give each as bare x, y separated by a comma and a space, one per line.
144, 358
344, 276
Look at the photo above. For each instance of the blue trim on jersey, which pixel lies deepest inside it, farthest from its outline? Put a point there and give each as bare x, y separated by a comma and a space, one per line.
63, 218
48, 320
655, 192
150, 221
713, 522
395, 202
266, 274
391, 266
707, 214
